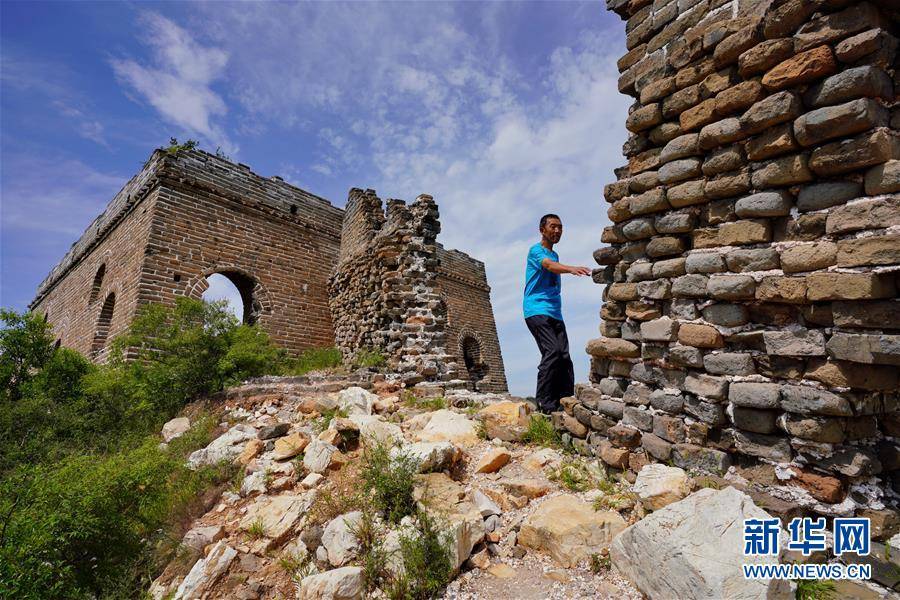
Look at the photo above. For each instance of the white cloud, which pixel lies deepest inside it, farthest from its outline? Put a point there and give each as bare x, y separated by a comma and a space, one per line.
438, 98
179, 82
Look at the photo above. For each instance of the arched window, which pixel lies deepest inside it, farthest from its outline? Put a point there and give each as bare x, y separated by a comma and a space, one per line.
103, 324
98, 282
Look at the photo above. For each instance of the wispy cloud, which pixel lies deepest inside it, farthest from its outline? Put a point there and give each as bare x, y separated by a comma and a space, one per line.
178, 81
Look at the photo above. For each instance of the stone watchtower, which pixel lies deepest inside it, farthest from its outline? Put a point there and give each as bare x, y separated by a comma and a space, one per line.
750, 307
189, 215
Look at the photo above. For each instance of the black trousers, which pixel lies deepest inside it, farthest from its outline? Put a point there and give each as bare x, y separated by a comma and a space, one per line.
556, 375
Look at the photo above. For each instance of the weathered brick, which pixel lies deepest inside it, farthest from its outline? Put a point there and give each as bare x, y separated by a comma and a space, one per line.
731, 287
772, 110
698, 116
770, 447
668, 428
744, 232
869, 251
863, 348
809, 400
787, 170
866, 214
698, 458
679, 170
800, 69
721, 132
847, 286
875, 314
764, 204
729, 49
755, 395
764, 56
772, 142
884, 178
744, 260
808, 257
817, 429
738, 97
872, 148
835, 26
644, 118
801, 342
751, 419
839, 121
864, 44
865, 81
700, 336
726, 315
782, 289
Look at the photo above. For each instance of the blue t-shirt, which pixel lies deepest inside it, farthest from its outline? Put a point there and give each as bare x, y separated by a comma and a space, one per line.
542, 288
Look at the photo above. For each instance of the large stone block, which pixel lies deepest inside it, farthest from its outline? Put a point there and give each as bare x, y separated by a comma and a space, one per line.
808, 257
651, 552
824, 285
865, 81
769, 447
755, 395
869, 251
810, 400
866, 150
800, 342
772, 110
801, 69
866, 214
862, 348
839, 121
817, 196
731, 287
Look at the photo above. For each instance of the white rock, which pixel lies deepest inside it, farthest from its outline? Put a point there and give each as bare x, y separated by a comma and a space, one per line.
693, 549
254, 483
374, 430
317, 457
279, 514
430, 456
448, 426
485, 505
226, 447
339, 540
345, 583
175, 428
658, 485
312, 480
205, 572
200, 537
356, 401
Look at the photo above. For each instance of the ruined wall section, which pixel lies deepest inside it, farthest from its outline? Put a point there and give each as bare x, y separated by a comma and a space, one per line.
471, 329
383, 293
750, 310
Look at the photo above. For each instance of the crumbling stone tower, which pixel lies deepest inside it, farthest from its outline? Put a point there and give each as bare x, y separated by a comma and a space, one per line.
383, 292
750, 305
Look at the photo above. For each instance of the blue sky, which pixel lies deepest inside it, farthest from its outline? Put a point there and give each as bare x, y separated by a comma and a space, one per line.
501, 111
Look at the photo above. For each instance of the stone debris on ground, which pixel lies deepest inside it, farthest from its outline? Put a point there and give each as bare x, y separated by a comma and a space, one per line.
524, 521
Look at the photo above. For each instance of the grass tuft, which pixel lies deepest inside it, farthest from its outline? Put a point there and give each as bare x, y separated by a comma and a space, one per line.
541, 432
389, 481
815, 589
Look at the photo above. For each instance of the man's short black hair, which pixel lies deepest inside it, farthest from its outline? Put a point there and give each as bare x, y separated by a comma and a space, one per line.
547, 217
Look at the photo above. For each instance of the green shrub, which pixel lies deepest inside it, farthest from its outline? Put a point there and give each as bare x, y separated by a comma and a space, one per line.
80, 527
316, 359
389, 482
369, 358
427, 561
25, 347
90, 506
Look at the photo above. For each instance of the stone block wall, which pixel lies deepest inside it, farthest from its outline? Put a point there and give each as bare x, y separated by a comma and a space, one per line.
751, 271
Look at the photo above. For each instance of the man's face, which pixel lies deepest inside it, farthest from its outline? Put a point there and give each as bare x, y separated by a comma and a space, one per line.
552, 230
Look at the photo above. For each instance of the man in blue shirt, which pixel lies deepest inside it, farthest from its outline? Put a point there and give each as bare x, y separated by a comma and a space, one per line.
543, 315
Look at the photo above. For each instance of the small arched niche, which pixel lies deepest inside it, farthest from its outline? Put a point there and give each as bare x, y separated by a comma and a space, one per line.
98, 283
472, 357
104, 322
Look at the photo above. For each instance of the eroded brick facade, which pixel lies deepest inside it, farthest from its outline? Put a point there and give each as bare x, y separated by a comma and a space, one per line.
187, 216
750, 306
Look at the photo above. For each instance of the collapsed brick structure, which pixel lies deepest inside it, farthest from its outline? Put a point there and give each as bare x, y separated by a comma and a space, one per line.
188, 215
751, 273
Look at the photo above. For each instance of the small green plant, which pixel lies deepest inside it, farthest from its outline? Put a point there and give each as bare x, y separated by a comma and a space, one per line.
316, 359
429, 404
541, 432
221, 154
388, 481
815, 589
600, 563
575, 475
295, 565
369, 359
321, 423
257, 529
174, 147
708, 482
427, 562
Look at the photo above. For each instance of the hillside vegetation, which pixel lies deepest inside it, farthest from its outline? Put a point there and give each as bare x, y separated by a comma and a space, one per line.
90, 503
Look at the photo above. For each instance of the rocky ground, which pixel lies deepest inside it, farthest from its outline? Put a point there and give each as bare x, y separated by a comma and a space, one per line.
524, 520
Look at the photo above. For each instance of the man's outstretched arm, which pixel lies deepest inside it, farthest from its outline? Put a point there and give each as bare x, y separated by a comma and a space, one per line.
561, 269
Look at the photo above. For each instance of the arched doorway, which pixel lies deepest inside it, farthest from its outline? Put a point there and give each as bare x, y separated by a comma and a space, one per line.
472, 357
245, 296
104, 321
